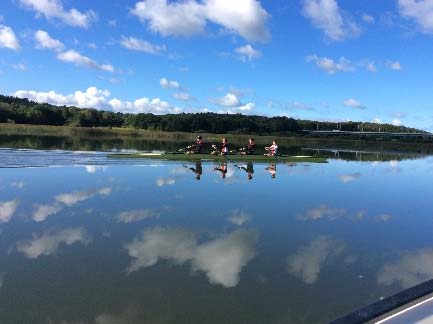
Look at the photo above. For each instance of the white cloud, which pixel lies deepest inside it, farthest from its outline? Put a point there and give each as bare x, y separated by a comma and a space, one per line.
309, 260
353, 103
244, 17
183, 96
160, 182
18, 184
413, 268
331, 66
72, 56
53, 9
70, 199
394, 65
42, 212
421, 11
371, 67
368, 19
345, 178
95, 168
49, 243
144, 105
383, 217
323, 211
396, 122
131, 216
136, 44
326, 15
169, 84
229, 100
239, 217
7, 210
19, 67
222, 259
97, 98
44, 40
247, 53
8, 39
247, 107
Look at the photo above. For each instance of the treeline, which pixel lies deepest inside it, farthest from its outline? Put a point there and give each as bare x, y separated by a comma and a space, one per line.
24, 111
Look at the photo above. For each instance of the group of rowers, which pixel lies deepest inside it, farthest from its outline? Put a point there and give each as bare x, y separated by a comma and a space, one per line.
223, 169
223, 148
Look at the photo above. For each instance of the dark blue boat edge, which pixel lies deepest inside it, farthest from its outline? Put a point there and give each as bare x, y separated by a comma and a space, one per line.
390, 305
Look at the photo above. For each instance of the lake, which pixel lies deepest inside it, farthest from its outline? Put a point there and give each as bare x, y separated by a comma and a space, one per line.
86, 239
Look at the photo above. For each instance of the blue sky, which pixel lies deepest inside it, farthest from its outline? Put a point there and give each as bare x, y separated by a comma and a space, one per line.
313, 59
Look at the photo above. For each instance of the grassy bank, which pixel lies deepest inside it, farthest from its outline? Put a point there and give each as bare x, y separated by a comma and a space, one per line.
108, 138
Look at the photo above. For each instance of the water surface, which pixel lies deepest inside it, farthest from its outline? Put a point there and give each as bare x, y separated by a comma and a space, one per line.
104, 241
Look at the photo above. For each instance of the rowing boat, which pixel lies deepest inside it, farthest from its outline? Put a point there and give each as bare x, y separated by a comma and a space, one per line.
207, 157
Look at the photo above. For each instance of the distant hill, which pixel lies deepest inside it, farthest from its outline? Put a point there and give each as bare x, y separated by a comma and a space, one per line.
24, 111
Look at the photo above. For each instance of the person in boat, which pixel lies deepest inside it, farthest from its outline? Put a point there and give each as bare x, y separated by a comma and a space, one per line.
198, 170
222, 168
196, 148
272, 150
249, 169
249, 149
272, 168
223, 149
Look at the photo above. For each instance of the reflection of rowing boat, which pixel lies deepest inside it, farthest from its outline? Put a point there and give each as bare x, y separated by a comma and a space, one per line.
194, 157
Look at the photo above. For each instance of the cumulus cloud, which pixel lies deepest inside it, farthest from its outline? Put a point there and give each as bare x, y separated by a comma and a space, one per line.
45, 41
70, 199
98, 98
345, 178
247, 53
394, 65
8, 39
353, 103
323, 211
169, 84
331, 66
42, 212
309, 260
413, 268
239, 217
7, 210
420, 11
53, 9
229, 100
136, 215
136, 44
326, 15
48, 243
221, 259
144, 105
74, 57
246, 17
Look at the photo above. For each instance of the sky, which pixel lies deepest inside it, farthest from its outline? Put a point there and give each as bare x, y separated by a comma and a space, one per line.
332, 60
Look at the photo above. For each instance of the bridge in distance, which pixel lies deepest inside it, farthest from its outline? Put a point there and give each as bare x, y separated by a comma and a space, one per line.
368, 134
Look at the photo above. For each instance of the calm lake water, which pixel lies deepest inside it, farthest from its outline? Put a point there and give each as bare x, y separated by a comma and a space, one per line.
84, 239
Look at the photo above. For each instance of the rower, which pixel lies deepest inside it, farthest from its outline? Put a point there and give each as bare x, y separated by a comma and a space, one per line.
272, 150
272, 168
198, 170
249, 169
222, 168
249, 149
196, 148
222, 150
